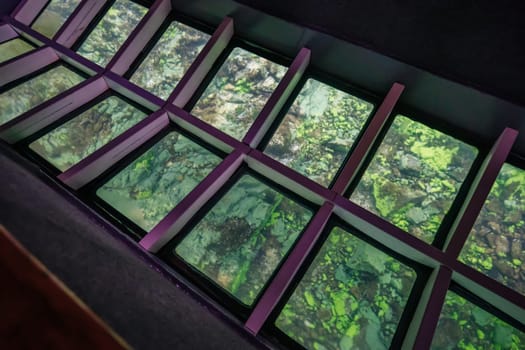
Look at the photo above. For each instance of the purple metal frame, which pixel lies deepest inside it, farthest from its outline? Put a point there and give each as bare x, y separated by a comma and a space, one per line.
479, 192
138, 39
181, 214
278, 98
289, 269
202, 64
331, 201
432, 310
99, 161
367, 140
51, 110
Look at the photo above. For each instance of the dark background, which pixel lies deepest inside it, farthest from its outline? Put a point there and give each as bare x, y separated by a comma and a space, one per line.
478, 43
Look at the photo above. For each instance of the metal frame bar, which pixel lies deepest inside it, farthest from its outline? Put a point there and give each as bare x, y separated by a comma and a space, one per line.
479, 192
366, 142
289, 269
277, 99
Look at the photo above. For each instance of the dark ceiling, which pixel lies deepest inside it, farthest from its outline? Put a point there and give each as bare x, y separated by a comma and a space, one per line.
477, 43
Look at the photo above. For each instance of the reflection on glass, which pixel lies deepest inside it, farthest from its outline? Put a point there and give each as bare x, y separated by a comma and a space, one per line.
496, 245
414, 177
33, 92
351, 297
83, 135
165, 65
241, 241
238, 92
111, 32
13, 48
147, 189
463, 325
318, 131
54, 15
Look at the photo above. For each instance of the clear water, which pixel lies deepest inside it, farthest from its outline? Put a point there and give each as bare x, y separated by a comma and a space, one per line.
53, 16
464, 325
151, 186
238, 92
13, 48
68, 144
169, 59
34, 91
240, 242
112, 31
414, 177
351, 297
318, 131
496, 243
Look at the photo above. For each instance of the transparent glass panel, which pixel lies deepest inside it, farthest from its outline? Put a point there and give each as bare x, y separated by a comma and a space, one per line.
318, 131
33, 92
13, 48
111, 32
54, 15
147, 189
73, 141
496, 244
169, 59
351, 297
414, 177
242, 240
238, 92
463, 325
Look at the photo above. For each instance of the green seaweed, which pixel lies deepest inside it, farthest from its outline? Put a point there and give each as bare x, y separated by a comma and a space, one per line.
111, 32
495, 244
242, 239
53, 16
29, 94
414, 177
148, 188
464, 325
13, 48
238, 92
67, 144
344, 299
169, 59
318, 131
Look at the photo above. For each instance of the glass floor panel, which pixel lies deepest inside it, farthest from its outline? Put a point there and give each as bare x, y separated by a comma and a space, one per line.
351, 297
112, 31
240, 242
53, 16
238, 92
169, 59
34, 91
79, 137
414, 177
13, 48
318, 131
496, 244
464, 325
151, 186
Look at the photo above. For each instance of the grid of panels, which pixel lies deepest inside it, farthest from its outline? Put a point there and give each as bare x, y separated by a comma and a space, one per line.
220, 187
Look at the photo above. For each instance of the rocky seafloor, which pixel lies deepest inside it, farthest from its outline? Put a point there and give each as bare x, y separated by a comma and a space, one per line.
318, 131
67, 144
31, 93
414, 177
238, 92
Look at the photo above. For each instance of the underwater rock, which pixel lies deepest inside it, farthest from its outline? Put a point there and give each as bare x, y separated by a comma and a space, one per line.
516, 250
416, 215
501, 245
409, 164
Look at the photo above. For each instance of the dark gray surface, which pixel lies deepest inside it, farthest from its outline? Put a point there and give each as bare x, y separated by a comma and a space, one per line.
6, 6
140, 304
